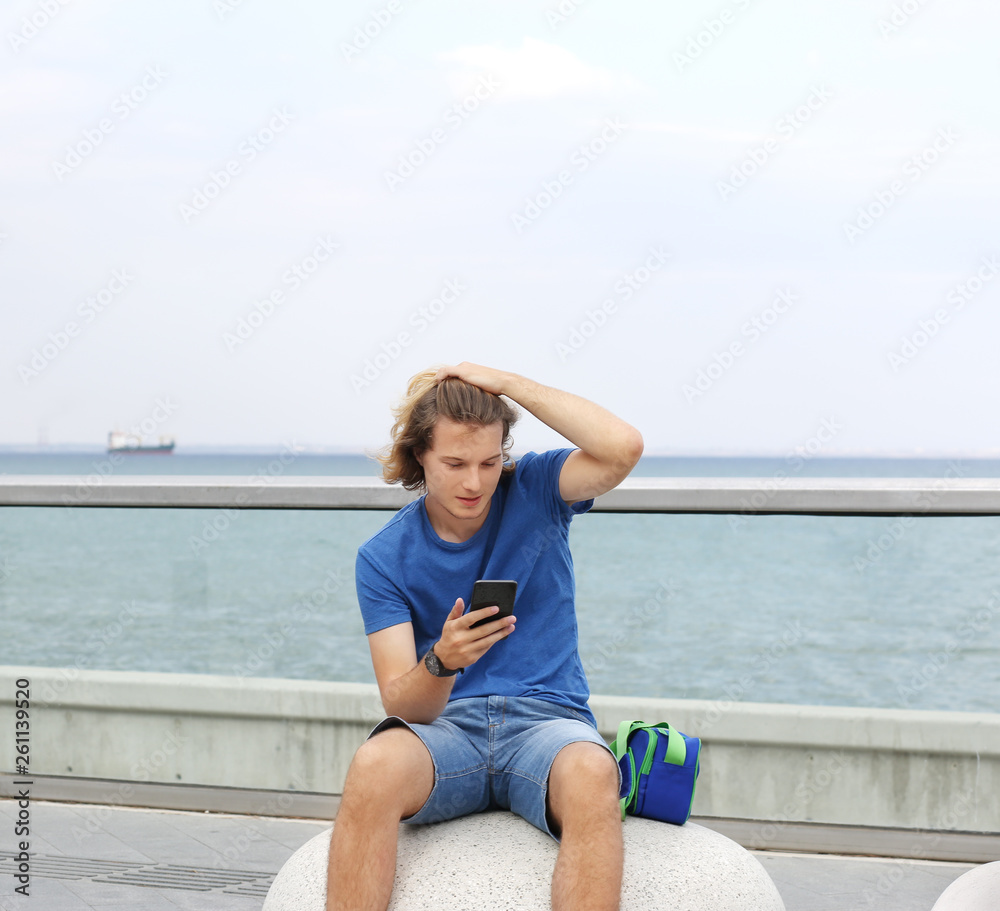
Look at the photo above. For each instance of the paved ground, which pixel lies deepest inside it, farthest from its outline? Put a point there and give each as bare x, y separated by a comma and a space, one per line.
98, 857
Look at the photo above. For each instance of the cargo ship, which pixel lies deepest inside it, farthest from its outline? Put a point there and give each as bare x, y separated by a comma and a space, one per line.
119, 441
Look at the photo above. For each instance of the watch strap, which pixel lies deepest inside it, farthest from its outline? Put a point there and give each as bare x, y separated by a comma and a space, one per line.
436, 666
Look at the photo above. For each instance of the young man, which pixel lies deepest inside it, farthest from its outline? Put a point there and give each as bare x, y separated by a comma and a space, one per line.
477, 721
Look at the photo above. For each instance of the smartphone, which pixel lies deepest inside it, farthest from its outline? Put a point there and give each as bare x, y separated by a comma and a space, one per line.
488, 592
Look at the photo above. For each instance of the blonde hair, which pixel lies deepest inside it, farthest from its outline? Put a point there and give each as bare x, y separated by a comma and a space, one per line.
418, 412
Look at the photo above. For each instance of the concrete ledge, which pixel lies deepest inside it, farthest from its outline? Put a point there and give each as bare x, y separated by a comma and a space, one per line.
497, 860
774, 763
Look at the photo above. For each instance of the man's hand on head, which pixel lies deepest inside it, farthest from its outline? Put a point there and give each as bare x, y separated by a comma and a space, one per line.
609, 448
487, 378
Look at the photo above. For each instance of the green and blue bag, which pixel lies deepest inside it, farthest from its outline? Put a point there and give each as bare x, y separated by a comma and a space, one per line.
659, 768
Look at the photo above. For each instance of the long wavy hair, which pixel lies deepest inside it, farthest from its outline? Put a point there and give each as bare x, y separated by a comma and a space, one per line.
419, 410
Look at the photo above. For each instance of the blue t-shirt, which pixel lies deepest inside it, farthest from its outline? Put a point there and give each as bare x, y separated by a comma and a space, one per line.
406, 573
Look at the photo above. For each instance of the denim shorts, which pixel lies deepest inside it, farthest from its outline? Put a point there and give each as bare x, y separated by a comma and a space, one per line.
495, 752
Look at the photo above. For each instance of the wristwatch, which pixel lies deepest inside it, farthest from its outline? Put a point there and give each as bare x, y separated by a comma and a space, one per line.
434, 665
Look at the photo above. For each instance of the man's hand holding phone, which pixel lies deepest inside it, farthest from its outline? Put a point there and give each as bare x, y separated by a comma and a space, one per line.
463, 642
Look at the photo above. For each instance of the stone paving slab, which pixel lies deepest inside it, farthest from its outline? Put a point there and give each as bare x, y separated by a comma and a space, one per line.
828, 882
222, 862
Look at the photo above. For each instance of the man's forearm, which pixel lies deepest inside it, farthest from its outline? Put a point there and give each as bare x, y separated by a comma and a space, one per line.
609, 447
587, 425
417, 696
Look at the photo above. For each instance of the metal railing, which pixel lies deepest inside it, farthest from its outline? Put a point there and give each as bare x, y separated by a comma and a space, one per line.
744, 496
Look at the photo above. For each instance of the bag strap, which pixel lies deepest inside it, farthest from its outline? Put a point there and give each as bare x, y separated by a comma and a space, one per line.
619, 746
676, 753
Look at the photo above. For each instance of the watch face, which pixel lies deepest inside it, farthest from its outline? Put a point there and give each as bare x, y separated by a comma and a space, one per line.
435, 666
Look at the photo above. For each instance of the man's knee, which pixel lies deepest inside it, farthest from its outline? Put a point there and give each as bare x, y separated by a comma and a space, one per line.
393, 765
583, 783
587, 764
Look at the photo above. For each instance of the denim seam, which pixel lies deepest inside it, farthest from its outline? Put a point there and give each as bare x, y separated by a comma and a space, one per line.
468, 770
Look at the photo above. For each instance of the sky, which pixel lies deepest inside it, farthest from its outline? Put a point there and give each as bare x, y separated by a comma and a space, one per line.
745, 226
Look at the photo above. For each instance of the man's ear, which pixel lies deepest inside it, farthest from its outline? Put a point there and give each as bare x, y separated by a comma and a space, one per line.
418, 454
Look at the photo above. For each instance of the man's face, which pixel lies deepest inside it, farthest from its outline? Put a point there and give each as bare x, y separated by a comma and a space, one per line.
461, 470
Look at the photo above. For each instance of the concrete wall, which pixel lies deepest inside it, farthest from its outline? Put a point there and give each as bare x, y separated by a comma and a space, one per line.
872, 767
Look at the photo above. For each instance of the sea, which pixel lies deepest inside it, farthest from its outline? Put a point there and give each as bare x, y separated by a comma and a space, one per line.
890, 612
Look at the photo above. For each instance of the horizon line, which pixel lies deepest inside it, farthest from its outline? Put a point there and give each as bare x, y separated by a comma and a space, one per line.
305, 449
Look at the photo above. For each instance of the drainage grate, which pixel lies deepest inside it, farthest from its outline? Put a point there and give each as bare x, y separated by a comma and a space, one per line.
150, 876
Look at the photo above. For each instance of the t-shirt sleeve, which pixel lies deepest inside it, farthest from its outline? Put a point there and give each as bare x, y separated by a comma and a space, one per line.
382, 603
542, 472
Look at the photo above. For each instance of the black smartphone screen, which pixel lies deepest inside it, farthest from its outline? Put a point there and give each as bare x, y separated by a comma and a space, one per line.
487, 592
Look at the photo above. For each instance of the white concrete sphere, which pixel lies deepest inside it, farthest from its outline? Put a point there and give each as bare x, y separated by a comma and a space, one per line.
497, 860
975, 890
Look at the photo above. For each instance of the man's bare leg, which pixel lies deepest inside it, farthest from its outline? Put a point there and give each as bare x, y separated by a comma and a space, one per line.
583, 804
390, 778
